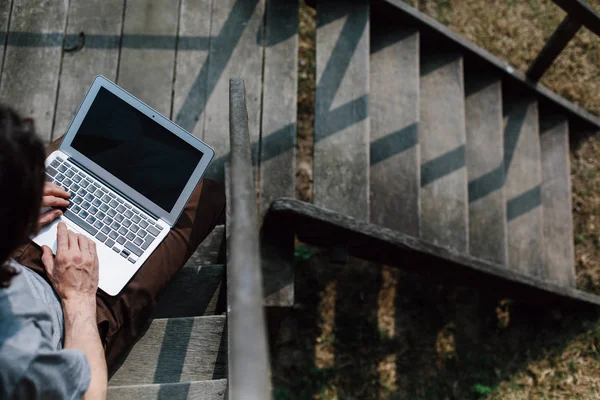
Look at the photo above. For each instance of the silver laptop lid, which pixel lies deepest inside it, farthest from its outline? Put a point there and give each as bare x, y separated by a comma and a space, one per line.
136, 150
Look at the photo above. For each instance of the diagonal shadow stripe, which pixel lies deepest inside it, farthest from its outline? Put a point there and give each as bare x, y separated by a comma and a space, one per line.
221, 49
486, 184
523, 203
512, 131
340, 58
443, 165
394, 143
177, 390
149, 42
172, 352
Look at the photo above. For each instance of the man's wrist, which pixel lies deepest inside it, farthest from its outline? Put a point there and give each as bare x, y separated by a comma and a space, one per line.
83, 306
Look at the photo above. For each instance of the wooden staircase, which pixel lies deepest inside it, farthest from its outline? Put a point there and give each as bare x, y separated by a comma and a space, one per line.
183, 354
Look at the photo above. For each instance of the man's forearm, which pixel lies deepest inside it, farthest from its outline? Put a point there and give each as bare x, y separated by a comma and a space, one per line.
81, 332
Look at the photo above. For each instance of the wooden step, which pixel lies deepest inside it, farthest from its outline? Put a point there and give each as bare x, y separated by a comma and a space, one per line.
556, 198
176, 350
147, 73
523, 170
485, 165
442, 139
280, 89
32, 61
394, 116
4, 17
341, 151
102, 25
198, 390
192, 292
208, 251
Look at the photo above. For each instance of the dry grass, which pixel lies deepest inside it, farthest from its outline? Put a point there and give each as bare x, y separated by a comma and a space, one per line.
363, 331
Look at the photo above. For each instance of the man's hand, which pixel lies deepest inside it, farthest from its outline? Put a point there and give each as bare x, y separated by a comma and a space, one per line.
74, 271
56, 197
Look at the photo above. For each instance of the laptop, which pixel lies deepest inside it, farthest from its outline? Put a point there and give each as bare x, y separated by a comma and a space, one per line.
130, 172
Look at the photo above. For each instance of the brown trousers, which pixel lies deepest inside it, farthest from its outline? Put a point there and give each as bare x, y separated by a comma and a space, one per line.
123, 318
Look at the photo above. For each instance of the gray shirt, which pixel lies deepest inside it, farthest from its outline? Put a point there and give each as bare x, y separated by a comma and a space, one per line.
33, 363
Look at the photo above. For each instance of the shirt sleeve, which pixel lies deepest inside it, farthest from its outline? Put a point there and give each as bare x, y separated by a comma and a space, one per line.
55, 374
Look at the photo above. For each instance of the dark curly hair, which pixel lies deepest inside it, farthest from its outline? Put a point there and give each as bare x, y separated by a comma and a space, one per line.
21, 185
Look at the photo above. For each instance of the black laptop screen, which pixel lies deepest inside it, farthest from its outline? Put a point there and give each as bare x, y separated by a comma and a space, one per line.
136, 149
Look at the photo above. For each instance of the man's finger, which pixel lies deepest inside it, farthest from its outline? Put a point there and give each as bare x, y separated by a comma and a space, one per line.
47, 259
83, 244
62, 238
49, 216
93, 251
73, 244
51, 189
53, 201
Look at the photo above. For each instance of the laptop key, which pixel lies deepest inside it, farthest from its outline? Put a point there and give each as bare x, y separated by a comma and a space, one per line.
135, 219
85, 205
120, 208
89, 197
130, 236
134, 228
85, 183
153, 231
127, 205
101, 237
76, 209
97, 202
113, 203
133, 248
131, 260
84, 214
127, 223
109, 242
77, 200
98, 224
147, 242
100, 215
106, 198
91, 219
98, 193
93, 210
108, 220
121, 240
128, 214
67, 182
122, 231
115, 226
120, 200
62, 168
75, 188
80, 222
103, 207
142, 233
55, 163
77, 178
138, 241
69, 173
113, 235
111, 212
160, 228
119, 217
106, 229
125, 253
143, 224
116, 249
60, 178
51, 171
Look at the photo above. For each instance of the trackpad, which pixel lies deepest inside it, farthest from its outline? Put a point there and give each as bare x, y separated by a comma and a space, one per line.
47, 235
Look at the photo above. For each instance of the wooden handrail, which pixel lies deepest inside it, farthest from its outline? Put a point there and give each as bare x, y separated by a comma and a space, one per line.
248, 366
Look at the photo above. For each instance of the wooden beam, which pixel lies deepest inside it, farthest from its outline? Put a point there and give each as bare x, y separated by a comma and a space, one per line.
583, 12
553, 47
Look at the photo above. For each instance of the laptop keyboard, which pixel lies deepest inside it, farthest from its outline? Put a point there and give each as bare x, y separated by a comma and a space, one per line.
102, 213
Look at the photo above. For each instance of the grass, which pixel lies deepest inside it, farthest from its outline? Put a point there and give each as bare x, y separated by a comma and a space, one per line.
364, 331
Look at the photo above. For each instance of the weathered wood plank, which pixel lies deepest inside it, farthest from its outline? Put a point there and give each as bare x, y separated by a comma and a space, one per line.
32, 62
199, 390
341, 151
101, 23
321, 227
148, 72
556, 199
235, 50
485, 166
192, 292
192, 65
176, 350
280, 87
208, 251
4, 17
442, 139
394, 115
523, 170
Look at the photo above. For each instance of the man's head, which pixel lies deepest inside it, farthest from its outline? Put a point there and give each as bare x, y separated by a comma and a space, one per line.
21, 185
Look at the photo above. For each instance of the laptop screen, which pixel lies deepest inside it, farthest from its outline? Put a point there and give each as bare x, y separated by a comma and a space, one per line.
136, 149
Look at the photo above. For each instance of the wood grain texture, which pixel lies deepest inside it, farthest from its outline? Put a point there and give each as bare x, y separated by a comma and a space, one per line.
192, 64
208, 251
32, 62
523, 169
235, 51
485, 167
198, 390
442, 139
321, 227
394, 115
102, 24
192, 292
176, 350
4, 17
280, 87
341, 150
147, 73
556, 199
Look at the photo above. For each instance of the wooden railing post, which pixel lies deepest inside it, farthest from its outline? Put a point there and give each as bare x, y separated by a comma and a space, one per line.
248, 376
